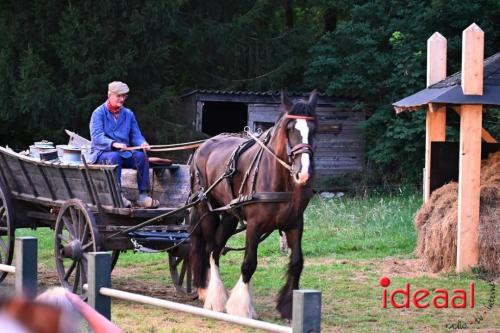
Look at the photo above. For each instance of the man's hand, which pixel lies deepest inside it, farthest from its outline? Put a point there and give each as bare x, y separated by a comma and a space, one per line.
118, 145
146, 146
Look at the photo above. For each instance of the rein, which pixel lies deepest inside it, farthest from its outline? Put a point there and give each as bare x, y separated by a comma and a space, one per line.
171, 147
283, 163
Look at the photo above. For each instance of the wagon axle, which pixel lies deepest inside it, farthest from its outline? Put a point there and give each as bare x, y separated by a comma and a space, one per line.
73, 250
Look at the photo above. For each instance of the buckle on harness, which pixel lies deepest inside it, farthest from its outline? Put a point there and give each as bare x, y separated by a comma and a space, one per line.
201, 194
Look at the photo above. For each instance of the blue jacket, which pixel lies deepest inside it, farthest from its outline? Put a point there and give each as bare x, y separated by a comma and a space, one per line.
105, 129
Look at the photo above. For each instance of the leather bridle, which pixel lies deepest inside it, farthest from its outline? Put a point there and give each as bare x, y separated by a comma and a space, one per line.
301, 148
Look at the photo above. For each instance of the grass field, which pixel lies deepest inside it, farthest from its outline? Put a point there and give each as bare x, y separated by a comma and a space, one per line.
349, 244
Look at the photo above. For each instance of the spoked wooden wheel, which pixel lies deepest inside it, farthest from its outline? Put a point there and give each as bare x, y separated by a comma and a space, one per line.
6, 230
75, 234
180, 271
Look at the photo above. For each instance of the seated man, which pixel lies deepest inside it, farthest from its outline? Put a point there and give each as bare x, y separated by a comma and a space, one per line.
113, 128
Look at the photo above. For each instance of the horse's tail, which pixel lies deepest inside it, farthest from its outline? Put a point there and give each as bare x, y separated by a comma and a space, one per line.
197, 253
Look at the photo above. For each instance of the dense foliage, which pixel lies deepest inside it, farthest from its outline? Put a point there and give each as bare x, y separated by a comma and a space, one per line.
56, 58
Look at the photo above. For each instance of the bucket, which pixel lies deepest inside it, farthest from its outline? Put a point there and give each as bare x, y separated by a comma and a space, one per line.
38, 147
69, 154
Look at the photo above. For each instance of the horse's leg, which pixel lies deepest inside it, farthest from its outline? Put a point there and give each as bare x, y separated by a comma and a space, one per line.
240, 302
225, 230
285, 296
201, 221
197, 254
216, 295
283, 243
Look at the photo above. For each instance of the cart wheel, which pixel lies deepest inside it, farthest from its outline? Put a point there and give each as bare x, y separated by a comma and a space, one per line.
114, 258
75, 234
180, 272
6, 230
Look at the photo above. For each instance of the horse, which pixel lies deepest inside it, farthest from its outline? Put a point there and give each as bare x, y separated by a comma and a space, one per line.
291, 139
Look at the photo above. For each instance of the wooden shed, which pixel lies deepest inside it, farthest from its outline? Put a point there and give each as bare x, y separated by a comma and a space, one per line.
340, 147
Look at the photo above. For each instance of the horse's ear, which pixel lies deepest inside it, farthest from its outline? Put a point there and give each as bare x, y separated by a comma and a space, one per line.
285, 100
313, 99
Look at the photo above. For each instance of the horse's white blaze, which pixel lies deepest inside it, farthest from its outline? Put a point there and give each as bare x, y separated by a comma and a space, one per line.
216, 295
240, 301
301, 126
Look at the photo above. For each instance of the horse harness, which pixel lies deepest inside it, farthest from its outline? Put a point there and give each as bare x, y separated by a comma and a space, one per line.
233, 207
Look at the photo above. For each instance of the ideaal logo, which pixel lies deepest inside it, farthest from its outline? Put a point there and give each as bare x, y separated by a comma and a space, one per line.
439, 299
423, 298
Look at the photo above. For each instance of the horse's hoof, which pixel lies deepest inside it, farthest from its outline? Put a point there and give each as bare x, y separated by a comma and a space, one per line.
238, 310
284, 307
216, 295
219, 307
240, 301
202, 294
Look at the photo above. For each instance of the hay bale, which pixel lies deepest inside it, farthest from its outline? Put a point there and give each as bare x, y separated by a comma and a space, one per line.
436, 222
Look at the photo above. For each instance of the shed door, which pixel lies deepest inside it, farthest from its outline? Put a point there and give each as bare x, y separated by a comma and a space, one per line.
223, 117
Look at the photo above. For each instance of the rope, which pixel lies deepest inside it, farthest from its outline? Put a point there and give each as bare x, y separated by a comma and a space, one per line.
178, 144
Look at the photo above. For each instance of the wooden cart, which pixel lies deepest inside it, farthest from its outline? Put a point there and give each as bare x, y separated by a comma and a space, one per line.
83, 204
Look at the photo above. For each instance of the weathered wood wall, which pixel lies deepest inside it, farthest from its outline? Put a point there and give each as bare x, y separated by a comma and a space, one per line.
340, 145
339, 138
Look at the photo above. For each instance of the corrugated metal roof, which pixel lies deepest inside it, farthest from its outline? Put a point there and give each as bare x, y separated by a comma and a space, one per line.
248, 93
449, 90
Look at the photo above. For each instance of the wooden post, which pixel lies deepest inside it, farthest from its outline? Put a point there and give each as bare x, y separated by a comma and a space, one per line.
26, 266
436, 58
472, 60
436, 117
485, 135
99, 275
306, 312
470, 150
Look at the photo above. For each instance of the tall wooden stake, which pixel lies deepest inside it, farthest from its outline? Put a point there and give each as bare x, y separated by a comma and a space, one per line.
470, 150
436, 117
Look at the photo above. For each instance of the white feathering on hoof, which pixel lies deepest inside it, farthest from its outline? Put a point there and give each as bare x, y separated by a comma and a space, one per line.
240, 302
216, 295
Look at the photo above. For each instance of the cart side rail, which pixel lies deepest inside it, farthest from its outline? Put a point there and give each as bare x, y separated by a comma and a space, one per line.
53, 182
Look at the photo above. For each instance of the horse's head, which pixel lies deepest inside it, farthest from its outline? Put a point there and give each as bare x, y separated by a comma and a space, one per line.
299, 122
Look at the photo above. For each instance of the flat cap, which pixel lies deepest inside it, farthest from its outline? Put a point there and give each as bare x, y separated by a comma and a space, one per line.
118, 88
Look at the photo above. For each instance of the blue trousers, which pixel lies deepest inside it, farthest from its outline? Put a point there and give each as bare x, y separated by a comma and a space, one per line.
137, 161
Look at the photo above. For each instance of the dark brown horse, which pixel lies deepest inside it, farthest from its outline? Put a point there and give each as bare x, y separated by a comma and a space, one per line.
291, 140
